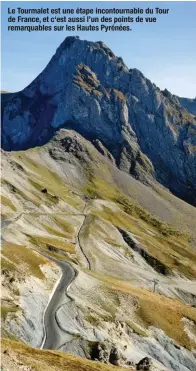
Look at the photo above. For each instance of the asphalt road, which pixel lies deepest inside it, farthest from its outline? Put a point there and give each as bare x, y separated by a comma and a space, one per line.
53, 335
52, 332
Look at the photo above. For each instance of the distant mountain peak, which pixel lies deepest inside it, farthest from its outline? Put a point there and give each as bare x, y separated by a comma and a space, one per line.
87, 88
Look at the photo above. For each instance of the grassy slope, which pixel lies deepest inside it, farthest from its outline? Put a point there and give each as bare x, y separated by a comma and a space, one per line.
45, 360
167, 243
20, 255
157, 310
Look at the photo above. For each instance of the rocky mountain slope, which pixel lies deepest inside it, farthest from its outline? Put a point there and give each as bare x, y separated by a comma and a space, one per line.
98, 258
19, 357
188, 104
66, 200
86, 87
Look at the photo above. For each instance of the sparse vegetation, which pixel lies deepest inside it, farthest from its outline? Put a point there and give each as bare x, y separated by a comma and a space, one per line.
110, 241
166, 244
6, 264
162, 241
67, 227
92, 319
7, 309
158, 310
56, 233
57, 242
137, 329
83, 84
120, 95
98, 188
7, 202
6, 334
97, 92
40, 175
48, 360
23, 255
132, 208
58, 254
91, 197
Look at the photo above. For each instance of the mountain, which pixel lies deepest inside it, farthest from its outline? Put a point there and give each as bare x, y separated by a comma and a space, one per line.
188, 104
66, 203
85, 87
98, 258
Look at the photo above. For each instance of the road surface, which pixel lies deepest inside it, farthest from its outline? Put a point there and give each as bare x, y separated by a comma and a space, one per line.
52, 332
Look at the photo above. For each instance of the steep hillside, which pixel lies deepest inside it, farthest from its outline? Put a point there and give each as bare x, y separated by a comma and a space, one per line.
83, 245
18, 357
87, 88
189, 104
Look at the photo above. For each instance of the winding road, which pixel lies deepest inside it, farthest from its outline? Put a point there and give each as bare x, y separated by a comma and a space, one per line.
52, 333
54, 336
79, 243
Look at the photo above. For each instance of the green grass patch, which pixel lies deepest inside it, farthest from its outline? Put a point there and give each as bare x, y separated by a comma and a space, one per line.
110, 241
16, 292
6, 264
58, 254
92, 319
137, 329
28, 197
50, 360
56, 242
6, 309
170, 246
99, 188
55, 232
7, 334
132, 208
155, 309
42, 177
7, 202
66, 226
21, 254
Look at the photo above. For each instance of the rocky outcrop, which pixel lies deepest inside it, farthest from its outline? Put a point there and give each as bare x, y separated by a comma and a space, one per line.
114, 356
144, 364
86, 87
100, 352
106, 353
188, 104
151, 260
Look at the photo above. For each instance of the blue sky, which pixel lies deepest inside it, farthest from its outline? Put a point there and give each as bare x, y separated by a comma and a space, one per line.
164, 51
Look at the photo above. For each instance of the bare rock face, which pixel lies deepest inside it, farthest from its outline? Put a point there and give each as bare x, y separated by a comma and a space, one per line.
144, 364
106, 353
100, 352
188, 104
114, 356
85, 87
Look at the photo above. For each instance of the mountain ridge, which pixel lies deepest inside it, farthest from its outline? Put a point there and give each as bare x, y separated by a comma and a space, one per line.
87, 88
